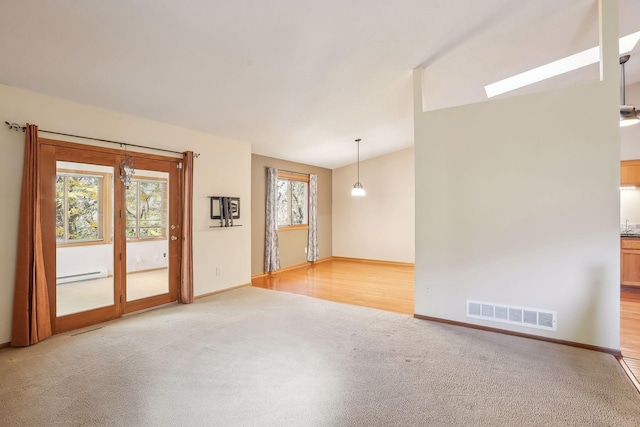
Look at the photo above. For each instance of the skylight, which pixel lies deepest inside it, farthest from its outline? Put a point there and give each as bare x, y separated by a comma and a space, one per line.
561, 66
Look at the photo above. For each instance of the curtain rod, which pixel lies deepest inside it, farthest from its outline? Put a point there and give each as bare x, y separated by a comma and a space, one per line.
17, 128
296, 173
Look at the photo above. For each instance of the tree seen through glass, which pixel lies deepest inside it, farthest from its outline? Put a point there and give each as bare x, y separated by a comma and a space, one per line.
145, 202
292, 202
298, 202
78, 208
283, 202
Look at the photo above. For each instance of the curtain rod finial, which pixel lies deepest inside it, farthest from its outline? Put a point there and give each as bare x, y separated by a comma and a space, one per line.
15, 126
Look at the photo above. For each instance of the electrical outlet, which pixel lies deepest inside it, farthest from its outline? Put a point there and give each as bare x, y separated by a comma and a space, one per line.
217, 271
305, 250
427, 291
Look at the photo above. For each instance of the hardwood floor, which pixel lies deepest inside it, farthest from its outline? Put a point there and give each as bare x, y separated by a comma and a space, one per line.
386, 286
630, 331
390, 287
630, 324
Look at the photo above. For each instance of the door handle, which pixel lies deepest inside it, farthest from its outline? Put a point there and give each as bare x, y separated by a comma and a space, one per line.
174, 238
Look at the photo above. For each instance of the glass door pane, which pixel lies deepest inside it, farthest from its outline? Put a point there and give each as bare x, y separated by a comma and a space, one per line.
147, 219
84, 237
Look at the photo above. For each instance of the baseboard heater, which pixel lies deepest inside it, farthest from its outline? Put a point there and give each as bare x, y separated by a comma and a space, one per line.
81, 277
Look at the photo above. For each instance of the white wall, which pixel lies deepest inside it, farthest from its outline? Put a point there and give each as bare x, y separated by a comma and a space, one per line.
630, 135
84, 259
224, 167
379, 226
141, 255
517, 203
147, 255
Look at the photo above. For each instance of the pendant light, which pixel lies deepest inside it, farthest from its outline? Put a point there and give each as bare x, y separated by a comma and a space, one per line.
126, 168
628, 113
358, 189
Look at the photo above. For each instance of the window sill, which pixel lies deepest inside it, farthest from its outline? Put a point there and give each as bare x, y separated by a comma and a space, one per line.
150, 239
294, 227
89, 243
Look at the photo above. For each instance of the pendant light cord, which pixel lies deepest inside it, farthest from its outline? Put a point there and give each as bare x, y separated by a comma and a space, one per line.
623, 60
358, 141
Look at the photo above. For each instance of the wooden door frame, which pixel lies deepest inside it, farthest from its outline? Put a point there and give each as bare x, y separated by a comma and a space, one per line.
174, 246
49, 150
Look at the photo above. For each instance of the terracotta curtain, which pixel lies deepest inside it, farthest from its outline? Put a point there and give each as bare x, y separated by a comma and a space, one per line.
186, 284
31, 313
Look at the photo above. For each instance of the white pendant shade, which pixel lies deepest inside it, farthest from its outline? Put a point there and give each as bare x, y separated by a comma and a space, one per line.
628, 115
629, 121
357, 190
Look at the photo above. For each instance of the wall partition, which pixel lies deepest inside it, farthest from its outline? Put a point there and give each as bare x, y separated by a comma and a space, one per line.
517, 207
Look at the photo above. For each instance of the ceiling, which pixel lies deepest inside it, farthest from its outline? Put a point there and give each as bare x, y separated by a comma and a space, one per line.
298, 79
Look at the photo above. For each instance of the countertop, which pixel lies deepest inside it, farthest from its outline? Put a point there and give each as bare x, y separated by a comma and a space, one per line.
632, 236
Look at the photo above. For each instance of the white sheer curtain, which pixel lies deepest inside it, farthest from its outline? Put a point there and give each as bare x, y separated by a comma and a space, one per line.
271, 245
312, 245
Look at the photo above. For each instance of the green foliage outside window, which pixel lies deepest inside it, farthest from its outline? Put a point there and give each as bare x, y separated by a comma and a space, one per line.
146, 206
78, 208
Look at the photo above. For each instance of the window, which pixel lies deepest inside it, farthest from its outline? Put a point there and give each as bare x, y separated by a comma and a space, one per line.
293, 200
80, 207
146, 204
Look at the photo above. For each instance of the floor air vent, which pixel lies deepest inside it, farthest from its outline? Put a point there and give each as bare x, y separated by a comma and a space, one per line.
530, 317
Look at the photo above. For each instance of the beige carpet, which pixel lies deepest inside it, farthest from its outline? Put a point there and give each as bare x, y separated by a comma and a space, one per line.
254, 357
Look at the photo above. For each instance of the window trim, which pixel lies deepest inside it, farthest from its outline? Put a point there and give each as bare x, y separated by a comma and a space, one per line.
292, 176
105, 204
293, 227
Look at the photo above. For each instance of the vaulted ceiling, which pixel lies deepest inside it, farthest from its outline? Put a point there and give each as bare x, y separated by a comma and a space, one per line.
298, 79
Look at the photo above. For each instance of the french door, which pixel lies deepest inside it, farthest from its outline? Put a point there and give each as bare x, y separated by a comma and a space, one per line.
111, 247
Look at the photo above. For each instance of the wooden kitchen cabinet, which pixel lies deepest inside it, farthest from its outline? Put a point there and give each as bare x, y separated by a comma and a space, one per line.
630, 172
630, 261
